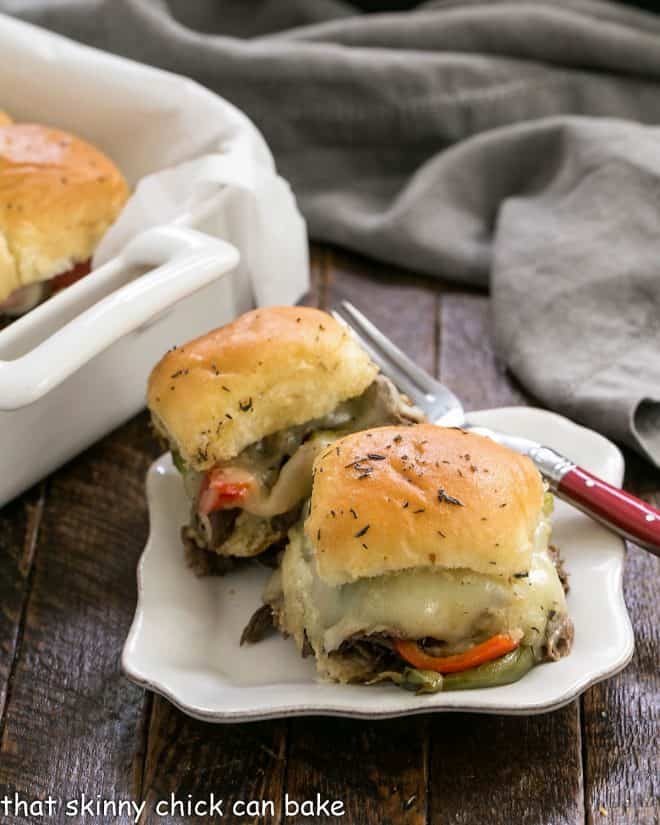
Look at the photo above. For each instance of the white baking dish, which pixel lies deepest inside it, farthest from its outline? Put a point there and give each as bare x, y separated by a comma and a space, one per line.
209, 232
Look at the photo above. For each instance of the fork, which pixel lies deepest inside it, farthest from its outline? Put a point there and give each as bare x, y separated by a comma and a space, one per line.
618, 510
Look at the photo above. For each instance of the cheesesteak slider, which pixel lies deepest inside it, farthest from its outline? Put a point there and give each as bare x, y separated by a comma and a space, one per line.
424, 560
58, 196
247, 408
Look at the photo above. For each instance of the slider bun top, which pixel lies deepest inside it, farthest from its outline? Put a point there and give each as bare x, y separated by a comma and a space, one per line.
58, 196
4, 118
440, 497
269, 369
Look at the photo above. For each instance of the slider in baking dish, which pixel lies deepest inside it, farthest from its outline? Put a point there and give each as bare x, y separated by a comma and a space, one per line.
424, 559
246, 410
193, 249
58, 197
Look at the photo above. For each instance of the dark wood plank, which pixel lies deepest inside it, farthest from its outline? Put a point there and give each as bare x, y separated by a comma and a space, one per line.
200, 762
377, 769
318, 256
72, 722
19, 528
467, 360
497, 769
621, 724
404, 306
504, 770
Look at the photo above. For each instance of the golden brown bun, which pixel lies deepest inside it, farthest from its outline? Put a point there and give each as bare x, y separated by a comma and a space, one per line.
382, 516
270, 369
58, 196
4, 118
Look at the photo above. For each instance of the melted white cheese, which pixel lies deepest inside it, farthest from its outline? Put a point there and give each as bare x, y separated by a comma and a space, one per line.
276, 489
294, 482
455, 606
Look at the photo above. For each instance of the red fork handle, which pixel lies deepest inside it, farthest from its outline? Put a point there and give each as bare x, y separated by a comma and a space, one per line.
625, 514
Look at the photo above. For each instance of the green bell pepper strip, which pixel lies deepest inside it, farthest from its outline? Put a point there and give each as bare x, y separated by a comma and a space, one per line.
509, 668
178, 462
503, 671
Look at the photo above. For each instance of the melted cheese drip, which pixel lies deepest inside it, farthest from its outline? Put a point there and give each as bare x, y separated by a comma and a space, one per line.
293, 484
279, 467
456, 606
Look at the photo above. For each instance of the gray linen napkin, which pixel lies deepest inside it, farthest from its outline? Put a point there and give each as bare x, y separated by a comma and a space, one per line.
502, 143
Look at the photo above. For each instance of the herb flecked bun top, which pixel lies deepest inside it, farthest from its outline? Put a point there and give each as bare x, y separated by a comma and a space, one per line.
58, 197
395, 498
269, 369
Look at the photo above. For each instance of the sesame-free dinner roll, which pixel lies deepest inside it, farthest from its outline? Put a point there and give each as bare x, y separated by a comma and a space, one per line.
247, 408
267, 370
58, 197
451, 498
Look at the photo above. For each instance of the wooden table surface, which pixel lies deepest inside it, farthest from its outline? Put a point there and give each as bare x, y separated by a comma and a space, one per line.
70, 723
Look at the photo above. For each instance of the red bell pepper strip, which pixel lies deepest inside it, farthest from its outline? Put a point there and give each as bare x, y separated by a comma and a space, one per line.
492, 648
65, 279
219, 492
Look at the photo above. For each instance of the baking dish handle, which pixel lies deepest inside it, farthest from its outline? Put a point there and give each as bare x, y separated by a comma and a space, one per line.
185, 261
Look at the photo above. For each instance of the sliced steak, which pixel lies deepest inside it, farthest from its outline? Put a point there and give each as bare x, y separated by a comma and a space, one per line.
200, 560
259, 626
559, 637
558, 562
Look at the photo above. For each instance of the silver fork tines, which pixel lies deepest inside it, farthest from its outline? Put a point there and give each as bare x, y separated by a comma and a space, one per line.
433, 398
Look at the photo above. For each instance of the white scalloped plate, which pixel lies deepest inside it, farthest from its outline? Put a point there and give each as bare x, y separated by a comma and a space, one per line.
184, 639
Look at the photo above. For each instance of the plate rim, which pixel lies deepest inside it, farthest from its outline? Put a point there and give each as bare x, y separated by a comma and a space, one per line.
301, 709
